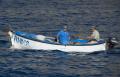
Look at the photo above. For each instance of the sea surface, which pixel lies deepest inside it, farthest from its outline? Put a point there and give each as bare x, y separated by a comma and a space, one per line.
47, 17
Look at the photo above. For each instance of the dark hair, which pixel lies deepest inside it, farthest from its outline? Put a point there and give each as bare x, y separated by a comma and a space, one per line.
93, 27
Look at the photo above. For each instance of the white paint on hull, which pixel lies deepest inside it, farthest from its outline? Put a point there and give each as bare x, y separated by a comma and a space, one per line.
19, 42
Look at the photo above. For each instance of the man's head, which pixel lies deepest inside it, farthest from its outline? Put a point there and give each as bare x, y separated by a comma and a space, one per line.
93, 28
65, 28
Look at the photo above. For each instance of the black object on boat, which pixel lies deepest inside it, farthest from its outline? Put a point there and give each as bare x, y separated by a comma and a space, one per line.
112, 42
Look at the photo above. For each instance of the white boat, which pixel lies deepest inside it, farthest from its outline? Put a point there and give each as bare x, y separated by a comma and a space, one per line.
22, 41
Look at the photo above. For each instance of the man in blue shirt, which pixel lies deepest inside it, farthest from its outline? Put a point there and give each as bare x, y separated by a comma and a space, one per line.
63, 36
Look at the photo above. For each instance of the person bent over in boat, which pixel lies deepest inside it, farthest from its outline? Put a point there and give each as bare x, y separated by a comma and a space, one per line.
63, 36
95, 35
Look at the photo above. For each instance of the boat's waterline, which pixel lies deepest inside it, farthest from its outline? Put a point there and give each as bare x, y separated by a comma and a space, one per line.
19, 42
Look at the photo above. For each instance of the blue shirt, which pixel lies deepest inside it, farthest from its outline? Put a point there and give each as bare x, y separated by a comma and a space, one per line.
63, 37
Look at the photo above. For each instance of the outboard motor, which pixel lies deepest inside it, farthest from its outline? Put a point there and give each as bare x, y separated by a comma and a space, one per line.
111, 42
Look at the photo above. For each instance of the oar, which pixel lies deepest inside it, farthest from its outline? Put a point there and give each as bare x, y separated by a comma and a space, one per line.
76, 35
6, 28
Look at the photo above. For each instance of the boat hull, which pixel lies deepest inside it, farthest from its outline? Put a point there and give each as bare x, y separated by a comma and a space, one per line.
19, 42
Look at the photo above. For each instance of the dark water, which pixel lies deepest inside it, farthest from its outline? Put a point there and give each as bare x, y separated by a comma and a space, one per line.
47, 17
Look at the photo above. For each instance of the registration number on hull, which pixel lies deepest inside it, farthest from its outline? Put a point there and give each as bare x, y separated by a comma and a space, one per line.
20, 40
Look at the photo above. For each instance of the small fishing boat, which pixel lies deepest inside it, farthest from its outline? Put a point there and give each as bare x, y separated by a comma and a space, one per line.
23, 40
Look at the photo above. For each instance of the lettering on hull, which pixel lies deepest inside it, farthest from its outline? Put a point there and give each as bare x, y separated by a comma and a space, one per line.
20, 40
